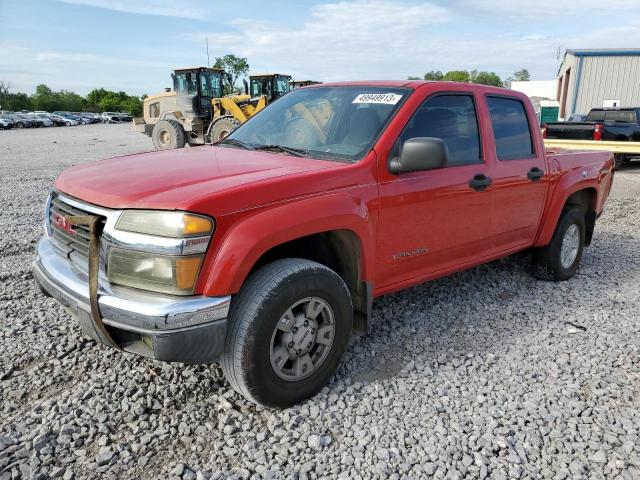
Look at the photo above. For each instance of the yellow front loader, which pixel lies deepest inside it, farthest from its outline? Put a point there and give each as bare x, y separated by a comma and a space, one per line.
196, 112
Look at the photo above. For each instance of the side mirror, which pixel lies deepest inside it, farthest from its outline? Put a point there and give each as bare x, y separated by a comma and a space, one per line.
420, 153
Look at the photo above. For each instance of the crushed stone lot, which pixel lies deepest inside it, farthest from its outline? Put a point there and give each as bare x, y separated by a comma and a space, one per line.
488, 373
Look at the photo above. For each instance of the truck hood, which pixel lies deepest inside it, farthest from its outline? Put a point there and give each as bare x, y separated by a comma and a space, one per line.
185, 178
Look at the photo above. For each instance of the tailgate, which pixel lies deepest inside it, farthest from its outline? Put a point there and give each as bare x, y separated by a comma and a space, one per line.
573, 131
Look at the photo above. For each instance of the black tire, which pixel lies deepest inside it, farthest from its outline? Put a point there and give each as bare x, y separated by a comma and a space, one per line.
222, 127
547, 261
619, 161
255, 312
167, 135
19, 125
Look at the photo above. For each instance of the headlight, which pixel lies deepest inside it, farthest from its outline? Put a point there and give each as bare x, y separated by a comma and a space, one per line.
164, 224
163, 260
159, 273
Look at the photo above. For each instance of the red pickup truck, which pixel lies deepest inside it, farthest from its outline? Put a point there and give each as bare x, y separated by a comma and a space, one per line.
265, 251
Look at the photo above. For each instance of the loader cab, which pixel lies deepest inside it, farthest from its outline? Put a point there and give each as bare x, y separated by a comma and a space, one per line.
195, 87
273, 86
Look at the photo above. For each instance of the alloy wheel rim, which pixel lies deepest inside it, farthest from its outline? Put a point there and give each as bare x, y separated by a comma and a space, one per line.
302, 339
570, 246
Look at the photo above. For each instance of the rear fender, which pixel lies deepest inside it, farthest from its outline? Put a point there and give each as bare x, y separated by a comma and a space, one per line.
569, 184
246, 236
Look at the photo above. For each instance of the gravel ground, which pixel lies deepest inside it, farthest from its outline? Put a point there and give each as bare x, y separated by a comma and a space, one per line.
484, 374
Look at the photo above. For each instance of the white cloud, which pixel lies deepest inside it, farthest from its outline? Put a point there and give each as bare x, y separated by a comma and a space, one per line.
548, 8
166, 8
381, 39
337, 40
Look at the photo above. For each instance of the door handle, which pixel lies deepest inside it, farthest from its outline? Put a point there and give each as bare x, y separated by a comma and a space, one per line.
479, 182
535, 174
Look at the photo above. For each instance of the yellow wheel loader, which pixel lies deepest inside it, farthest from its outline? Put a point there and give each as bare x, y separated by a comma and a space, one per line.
196, 112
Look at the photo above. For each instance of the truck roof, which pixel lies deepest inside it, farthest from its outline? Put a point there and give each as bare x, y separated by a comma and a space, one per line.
418, 83
613, 109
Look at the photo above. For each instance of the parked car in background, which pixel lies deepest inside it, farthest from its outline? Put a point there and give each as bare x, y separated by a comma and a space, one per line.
615, 124
70, 116
5, 122
111, 117
47, 122
23, 121
59, 120
90, 117
266, 250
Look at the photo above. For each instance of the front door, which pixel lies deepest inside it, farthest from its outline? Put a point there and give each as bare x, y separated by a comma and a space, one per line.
433, 220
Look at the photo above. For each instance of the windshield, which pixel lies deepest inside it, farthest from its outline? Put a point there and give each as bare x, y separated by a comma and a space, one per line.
336, 123
210, 84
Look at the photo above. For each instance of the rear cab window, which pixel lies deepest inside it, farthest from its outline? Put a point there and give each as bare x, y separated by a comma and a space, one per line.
452, 118
511, 128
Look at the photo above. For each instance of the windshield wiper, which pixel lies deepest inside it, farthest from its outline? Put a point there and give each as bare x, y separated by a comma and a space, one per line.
233, 141
298, 152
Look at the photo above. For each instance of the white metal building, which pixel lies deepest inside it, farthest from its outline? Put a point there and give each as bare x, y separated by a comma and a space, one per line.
598, 78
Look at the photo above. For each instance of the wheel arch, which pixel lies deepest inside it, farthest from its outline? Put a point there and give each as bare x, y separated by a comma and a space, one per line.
317, 229
582, 196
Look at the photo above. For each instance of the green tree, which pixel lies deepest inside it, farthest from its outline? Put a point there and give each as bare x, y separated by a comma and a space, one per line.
457, 76
434, 75
486, 78
521, 76
410, 77
235, 67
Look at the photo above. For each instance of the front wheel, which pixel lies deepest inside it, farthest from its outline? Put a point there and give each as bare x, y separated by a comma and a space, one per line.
288, 329
168, 134
222, 127
560, 259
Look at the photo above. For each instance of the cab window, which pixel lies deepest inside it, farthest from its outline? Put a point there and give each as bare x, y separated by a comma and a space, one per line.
510, 128
453, 119
154, 110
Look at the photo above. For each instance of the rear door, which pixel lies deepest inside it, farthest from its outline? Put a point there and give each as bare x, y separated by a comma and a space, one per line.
431, 221
519, 177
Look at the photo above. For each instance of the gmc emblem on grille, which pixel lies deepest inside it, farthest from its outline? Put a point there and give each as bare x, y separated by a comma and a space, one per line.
63, 223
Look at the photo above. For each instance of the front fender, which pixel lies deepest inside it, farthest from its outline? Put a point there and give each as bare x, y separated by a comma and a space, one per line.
242, 238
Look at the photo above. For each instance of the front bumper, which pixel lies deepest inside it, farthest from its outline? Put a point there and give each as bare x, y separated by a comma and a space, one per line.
168, 328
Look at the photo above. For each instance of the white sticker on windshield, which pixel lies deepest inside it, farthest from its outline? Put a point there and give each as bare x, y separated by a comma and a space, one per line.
388, 98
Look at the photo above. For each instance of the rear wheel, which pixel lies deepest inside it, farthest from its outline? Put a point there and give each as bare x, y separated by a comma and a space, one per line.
222, 127
19, 125
288, 329
560, 259
168, 134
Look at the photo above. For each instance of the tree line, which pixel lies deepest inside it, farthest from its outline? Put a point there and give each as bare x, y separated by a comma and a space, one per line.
475, 76
45, 99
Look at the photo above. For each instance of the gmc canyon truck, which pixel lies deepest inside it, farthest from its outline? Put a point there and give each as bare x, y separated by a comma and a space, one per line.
265, 251
616, 124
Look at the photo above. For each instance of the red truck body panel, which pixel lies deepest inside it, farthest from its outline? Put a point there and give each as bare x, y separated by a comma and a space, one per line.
411, 227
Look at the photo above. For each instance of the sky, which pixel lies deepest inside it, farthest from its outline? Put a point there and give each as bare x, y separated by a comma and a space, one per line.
132, 45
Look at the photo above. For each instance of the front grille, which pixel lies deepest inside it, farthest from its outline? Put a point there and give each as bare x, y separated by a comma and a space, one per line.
73, 245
